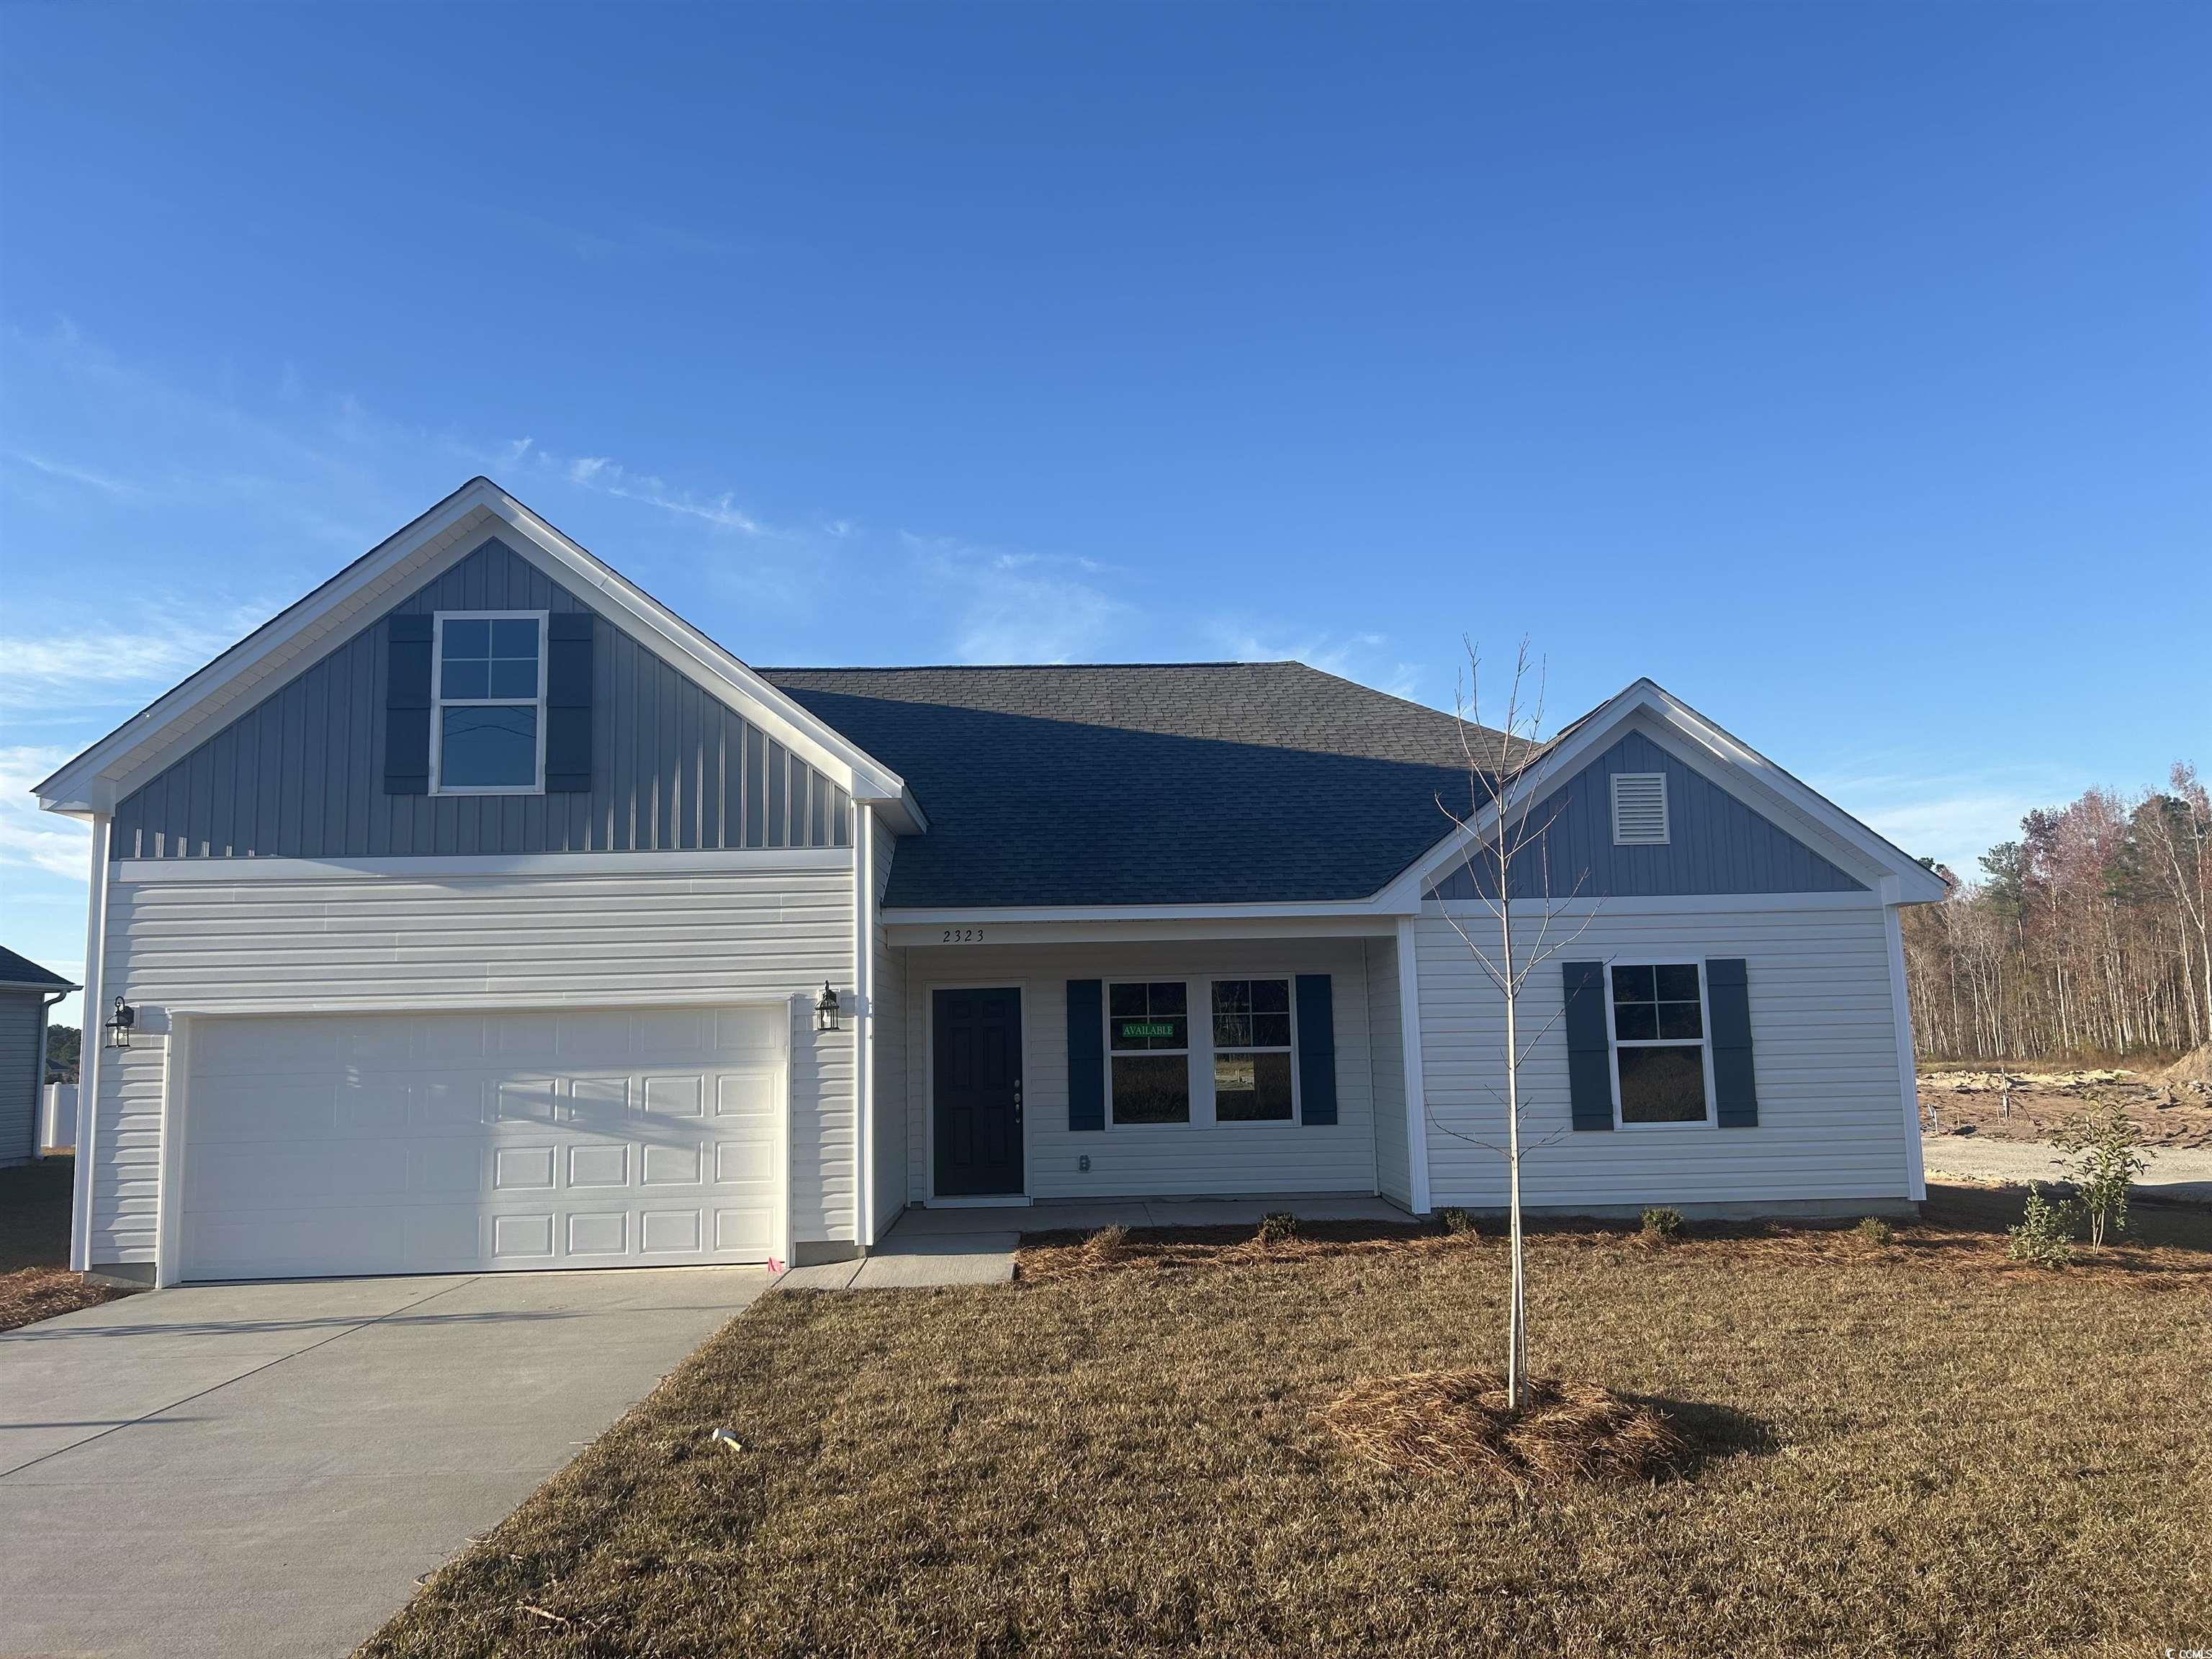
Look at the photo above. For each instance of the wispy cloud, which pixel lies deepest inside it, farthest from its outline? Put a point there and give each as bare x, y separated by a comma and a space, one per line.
31, 838
1951, 816
610, 478
1018, 607
90, 671
1363, 657
78, 474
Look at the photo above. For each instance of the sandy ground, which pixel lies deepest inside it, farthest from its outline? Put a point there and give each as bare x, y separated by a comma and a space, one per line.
2175, 1173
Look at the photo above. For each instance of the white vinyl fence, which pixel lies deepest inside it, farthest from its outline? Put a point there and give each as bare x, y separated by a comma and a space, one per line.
58, 1118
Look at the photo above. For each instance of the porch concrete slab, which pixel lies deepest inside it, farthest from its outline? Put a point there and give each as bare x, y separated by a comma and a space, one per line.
949, 1259
916, 1222
357, 1432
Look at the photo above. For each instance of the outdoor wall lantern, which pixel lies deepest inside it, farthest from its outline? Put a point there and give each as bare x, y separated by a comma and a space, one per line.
119, 1024
825, 1011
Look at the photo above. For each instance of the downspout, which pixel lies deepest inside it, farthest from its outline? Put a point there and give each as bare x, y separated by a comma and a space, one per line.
87, 1048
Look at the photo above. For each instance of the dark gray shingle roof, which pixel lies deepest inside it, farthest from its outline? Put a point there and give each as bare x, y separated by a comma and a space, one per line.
21, 970
1149, 783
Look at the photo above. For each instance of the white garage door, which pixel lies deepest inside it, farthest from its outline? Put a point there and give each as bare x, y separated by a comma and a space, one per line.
440, 1143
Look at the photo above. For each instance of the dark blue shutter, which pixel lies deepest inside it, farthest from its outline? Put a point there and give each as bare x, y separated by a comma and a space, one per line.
1086, 1054
1728, 1004
1316, 1049
1589, 1053
407, 706
568, 704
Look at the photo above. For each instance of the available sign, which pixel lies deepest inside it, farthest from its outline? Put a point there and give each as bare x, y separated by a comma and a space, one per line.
1137, 1030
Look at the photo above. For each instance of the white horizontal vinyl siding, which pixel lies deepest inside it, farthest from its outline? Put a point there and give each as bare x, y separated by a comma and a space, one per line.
1132, 1160
1824, 1047
518, 941
1392, 1173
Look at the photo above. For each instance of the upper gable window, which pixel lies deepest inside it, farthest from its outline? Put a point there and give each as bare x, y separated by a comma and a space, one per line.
489, 734
1639, 809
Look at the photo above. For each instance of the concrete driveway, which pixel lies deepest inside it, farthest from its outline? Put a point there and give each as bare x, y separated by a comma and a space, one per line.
266, 1469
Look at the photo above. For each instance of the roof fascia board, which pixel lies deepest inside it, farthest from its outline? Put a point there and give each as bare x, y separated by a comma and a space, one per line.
1917, 883
111, 768
911, 935
1562, 760
822, 744
1729, 762
976, 915
85, 783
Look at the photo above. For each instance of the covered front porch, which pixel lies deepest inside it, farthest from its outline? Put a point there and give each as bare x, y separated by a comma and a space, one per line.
1145, 1075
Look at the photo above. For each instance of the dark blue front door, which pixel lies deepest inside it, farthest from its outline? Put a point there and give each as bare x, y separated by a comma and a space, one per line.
977, 1077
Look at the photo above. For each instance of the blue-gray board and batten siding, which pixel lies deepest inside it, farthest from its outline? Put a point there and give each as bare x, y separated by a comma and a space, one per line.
1716, 844
300, 774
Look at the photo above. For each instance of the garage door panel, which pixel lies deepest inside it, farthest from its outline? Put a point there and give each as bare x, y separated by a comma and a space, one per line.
670, 1232
671, 1164
682, 1095
470, 1142
598, 1232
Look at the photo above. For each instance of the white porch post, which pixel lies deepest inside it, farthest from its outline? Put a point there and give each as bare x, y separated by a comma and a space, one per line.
1409, 1034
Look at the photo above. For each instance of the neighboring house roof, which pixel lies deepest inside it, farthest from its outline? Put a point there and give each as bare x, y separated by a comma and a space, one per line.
21, 973
1154, 783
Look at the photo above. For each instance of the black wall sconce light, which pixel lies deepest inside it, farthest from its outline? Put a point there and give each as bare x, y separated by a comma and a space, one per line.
825, 1011
120, 1024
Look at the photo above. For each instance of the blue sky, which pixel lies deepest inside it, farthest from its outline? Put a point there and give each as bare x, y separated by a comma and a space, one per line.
1843, 369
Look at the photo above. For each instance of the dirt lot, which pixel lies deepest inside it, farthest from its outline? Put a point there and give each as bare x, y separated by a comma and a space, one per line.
2172, 1107
1127, 1456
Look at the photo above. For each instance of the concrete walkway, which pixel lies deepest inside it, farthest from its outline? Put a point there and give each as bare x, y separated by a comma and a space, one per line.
976, 1246
248, 1470
2181, 1176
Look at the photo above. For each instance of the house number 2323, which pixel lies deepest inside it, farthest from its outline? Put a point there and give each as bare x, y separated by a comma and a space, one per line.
963, 936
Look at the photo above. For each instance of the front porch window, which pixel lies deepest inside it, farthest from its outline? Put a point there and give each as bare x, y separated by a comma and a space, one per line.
1252, 1069
1148, 1039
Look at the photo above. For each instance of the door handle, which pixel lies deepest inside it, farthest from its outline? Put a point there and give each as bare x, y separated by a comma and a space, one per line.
1018, 1100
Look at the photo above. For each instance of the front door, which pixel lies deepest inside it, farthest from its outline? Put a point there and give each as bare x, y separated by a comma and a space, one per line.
977, 1078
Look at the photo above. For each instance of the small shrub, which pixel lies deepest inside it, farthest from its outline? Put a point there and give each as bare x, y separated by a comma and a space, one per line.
2045, 1233
1661, 1225
1874, 1231
1105, 1247
1278, 1227
2108, 1156
1457, 1221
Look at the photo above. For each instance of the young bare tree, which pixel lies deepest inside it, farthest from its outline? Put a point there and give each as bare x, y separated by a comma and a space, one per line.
1507, 860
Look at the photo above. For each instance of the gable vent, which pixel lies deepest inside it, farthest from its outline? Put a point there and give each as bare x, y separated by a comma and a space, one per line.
1639, 809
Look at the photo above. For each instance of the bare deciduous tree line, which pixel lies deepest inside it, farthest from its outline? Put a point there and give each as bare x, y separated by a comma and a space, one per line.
2092, 934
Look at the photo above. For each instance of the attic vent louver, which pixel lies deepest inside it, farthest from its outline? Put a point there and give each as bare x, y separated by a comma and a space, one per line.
1639, 809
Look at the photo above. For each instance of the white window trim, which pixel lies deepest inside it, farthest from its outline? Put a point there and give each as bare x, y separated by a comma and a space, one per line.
1188, 1052
1615, 1042
1666, 814
1297, 1105
1198, 1057
439, 702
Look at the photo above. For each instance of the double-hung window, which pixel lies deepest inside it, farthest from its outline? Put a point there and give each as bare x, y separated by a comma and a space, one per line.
488, 733
1658, 1012
1148, 1049
1253, 1066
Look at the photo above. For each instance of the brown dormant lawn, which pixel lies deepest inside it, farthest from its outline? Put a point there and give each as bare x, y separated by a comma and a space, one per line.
1918, 1449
